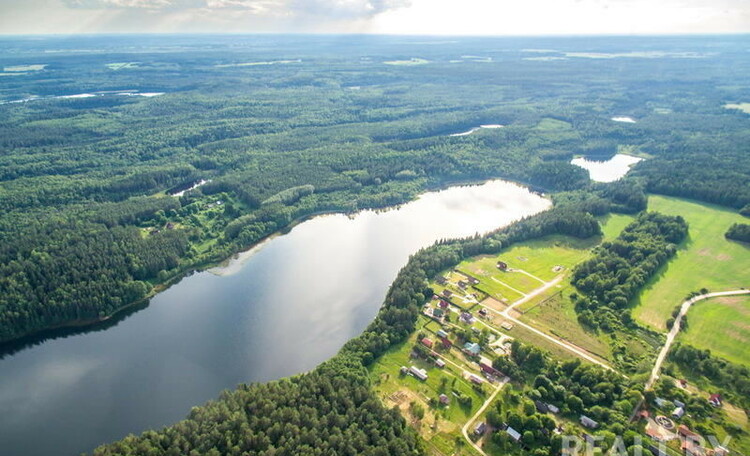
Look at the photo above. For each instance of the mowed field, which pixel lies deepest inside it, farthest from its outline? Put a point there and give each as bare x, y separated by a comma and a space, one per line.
721, 325
705, 260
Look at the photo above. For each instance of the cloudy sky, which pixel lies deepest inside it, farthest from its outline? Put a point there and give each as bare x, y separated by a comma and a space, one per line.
438, 17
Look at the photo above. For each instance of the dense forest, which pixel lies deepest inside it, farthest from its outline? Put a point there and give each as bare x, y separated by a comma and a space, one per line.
340, 385
330, 127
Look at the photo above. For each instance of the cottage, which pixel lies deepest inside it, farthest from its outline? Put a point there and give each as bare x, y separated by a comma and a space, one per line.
483, 312
443, 304
427, 342
437, 313
489, 370
441, 333
462, 284
440, 363
472, 348
588, 422
447, 293
473, 378
503, 266
513, 434
419, 373
480, 428
445, 400
553, 409
715, 400
678, 412
466, 317
447, 344
541, 407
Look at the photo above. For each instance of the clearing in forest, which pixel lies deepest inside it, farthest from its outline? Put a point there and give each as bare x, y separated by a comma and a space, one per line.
705, 260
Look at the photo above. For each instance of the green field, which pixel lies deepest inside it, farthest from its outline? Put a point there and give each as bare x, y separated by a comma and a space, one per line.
705, 260
441, 424
721, 325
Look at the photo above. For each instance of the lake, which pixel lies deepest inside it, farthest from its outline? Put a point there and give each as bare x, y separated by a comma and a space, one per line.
609, 170
278, 310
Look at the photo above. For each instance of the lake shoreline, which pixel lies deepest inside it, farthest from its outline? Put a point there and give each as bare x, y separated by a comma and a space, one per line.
14, 345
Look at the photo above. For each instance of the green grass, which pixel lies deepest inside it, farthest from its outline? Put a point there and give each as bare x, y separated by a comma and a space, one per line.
386, 381
721, 325
705, 260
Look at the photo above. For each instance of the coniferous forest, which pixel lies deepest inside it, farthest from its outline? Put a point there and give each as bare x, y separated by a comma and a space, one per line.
117, 180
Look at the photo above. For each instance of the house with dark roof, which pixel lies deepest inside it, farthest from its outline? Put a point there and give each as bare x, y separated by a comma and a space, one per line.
480, 428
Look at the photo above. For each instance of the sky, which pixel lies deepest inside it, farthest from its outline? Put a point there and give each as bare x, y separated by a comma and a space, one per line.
411, 17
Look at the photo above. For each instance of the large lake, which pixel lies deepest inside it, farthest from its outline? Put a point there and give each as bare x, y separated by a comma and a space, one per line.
278, 310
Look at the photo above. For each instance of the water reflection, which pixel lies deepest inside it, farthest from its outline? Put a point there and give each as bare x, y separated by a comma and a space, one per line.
281, 310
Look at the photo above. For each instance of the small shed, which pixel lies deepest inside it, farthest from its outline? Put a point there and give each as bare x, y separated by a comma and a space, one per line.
440, 363
427, 342
480, 428
715, 400
588, 422
441, 333
445, 400
678, 412
513, 434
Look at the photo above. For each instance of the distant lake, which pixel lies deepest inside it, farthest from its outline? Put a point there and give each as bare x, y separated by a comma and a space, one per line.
609, 170
278, 310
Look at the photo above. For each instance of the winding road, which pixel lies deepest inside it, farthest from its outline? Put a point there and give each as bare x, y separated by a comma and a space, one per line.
465, 429
676, 329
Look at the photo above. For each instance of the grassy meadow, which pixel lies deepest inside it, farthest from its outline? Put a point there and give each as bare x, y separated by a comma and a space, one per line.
705, 260
721, 325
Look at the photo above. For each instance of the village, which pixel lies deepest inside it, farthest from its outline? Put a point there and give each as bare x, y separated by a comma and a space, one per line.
471, 321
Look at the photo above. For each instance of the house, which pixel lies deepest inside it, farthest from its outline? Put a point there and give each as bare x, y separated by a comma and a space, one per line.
442, 280
447, 344
506, 325
419, 373
427, 342
437, 313
472, 280
404, 370
447, 293
462, 284
473, 378
683, 383
480, 428
472, 348
661, 403
541, 407
553, 409
169, 226
489, 370
715, 400
678, 412
588, 422
441, 334
515, 435
678, 403
503, 266
483, 312
445, 400
466, 317
443, 304
685, 433
440, 363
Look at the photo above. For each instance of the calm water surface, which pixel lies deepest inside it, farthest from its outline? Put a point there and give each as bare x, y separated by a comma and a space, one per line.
607, 171
275, 311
